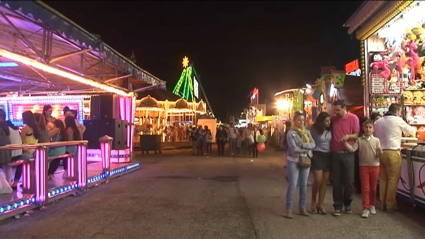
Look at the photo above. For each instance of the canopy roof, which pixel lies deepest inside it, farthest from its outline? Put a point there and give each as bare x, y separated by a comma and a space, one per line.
31, 31
372, 15
158, 94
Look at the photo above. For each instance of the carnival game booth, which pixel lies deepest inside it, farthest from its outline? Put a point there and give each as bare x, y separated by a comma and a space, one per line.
391, 35
338, 86
290, 101
47, 59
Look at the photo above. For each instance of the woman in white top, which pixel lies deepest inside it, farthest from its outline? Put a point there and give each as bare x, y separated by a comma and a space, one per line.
15, 138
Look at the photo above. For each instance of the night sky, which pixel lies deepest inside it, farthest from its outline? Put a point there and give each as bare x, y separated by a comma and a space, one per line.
235, 46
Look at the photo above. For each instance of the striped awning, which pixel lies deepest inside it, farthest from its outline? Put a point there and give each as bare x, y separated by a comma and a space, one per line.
383, 17
362, 14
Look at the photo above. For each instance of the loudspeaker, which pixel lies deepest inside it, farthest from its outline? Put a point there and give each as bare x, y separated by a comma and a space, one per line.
92, 134
124, 132
113, 128
104, 107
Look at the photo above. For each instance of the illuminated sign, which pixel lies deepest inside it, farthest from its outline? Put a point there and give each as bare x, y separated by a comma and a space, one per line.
18, 109
263, 118
352, 66
195, 88
357, 72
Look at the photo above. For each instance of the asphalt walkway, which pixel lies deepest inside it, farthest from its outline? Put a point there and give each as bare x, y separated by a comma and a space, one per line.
179, 196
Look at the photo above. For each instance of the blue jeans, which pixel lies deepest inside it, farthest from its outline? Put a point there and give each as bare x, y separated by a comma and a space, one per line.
296, 176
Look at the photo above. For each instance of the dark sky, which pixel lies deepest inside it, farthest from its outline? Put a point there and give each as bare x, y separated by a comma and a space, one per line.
235, 46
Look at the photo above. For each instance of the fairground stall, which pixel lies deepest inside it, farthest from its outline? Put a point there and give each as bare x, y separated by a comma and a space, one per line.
290, 101
391, 35
335, 85
46, 59
164, 116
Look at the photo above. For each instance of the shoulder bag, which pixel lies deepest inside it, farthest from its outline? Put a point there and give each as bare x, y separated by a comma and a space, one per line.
304, 161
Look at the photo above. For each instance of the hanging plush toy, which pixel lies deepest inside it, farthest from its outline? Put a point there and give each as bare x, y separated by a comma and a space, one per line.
412, 60
379, 63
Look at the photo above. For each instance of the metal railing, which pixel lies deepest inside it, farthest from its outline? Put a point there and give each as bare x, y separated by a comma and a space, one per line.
34, 173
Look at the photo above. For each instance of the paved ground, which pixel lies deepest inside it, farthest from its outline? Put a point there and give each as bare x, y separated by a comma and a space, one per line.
181, 196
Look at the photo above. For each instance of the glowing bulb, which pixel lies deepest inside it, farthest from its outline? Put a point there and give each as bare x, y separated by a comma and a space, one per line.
52, 70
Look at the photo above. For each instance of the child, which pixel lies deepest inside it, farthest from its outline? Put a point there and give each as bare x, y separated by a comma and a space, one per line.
238, 144
369, 151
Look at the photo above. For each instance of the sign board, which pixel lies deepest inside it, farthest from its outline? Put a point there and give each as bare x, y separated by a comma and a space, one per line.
379, 85
263, 118
195, 88
357, 72
352, 66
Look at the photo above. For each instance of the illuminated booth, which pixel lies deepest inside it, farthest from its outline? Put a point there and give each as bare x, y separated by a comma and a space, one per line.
392, 44
46, 59
160, 112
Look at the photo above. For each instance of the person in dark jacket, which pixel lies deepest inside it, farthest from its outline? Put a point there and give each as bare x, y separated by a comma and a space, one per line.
221, 139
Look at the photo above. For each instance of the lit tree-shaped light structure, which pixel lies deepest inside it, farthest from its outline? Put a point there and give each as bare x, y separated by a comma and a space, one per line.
184, 87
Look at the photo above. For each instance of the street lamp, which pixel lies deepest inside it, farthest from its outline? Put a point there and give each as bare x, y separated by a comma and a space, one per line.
308, 86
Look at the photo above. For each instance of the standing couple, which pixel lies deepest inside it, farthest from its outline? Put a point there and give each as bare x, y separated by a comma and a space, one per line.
326, 146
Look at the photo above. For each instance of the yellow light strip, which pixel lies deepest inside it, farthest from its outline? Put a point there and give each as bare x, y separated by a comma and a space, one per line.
382, 19
55, 71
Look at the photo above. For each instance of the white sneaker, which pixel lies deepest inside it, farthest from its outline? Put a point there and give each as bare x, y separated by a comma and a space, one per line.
372, 210
365, 213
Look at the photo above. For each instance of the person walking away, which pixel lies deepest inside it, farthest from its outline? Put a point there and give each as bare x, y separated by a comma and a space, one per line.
256, 132
389, 130
233, 135
193, 139
248, 140
284, 143
344, 128
300, 144
209, 139
239, 144
369, 151
200, 135
221, 139
321, 161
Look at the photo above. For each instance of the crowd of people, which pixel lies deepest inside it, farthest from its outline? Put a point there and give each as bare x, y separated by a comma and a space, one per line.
39, 128
329, 150
240, 141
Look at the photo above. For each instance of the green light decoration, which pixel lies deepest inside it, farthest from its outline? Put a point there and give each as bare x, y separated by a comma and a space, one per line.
184, 87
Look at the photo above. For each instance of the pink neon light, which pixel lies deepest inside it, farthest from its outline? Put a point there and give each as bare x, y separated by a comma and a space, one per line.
132, 103
40, 174
71, 166
26, 176
82, 166
105, 155
122, 108
96, 155
17, 109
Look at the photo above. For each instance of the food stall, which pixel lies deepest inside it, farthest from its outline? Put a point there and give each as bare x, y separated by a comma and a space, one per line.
46, 59
392, 65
